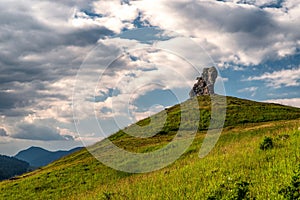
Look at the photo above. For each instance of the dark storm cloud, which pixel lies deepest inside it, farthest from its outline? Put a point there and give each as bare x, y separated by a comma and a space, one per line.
84, 37
259, 3
36, 132
78, 3
228, 19
14, 102
35, 53
19, 40
22, 32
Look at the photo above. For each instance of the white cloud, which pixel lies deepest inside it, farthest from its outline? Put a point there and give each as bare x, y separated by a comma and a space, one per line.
277, 79
251, 90
289, 102
238, 68
230, 32
116, 16
153, 110
222, 79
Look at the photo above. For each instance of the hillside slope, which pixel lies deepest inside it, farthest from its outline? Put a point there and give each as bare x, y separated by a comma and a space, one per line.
236, 166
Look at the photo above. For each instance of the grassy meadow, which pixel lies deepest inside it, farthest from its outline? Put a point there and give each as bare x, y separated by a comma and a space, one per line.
256, 157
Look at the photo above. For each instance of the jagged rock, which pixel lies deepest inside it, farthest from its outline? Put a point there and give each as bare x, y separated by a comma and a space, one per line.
210, 76
206, 83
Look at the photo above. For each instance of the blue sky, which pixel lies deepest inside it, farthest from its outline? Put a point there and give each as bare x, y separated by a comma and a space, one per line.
130, 59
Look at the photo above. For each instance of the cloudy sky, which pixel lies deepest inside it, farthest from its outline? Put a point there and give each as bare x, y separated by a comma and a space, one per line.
111, 63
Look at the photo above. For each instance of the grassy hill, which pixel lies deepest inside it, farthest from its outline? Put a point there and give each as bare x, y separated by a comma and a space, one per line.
257, 156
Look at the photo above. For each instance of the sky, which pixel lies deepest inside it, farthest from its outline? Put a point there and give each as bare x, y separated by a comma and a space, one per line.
75, 71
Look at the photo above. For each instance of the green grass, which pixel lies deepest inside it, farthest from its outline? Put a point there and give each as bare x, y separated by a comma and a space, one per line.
236, 166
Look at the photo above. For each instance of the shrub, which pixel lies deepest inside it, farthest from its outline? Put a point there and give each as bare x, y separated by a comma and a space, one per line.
267, 143
107, 195
292, 192
241, 190
232, 191
164, 131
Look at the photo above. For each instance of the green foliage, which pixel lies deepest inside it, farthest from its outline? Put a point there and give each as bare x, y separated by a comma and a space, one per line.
267, 143
231, 190
107, 195
292, 192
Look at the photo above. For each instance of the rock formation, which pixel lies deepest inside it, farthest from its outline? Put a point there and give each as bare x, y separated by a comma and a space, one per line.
206, 83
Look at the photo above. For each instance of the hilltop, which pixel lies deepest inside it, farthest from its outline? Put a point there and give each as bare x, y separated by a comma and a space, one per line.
237, 166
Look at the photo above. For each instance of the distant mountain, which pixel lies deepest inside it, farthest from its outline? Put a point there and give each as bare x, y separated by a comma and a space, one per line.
10, 167
38, 157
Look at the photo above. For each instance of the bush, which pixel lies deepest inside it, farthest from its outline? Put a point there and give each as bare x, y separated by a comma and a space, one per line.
231, 191
267, 143
164, 131
241, 190
292, 192
107, 195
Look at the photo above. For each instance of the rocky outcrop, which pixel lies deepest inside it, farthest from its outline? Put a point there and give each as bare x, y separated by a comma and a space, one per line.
206, 83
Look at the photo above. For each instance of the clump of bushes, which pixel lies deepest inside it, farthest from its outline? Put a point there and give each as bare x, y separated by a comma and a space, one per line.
240, 191
107, 195
292, 191
234, 191
267, 143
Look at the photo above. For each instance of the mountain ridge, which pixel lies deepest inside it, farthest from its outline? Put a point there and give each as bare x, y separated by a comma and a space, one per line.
38, 157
